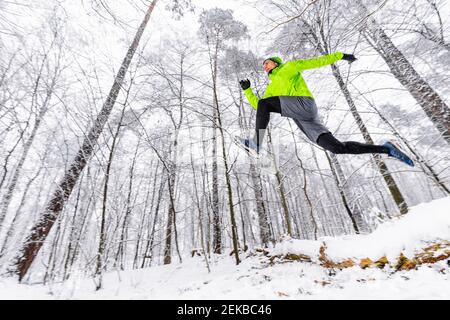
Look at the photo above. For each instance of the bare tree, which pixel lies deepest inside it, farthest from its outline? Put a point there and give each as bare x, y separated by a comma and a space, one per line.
54, 72
40, 231
216, 27
432, 104
234, 64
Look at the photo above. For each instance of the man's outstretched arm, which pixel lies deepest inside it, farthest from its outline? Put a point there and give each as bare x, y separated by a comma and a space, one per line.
322, 61
251, 97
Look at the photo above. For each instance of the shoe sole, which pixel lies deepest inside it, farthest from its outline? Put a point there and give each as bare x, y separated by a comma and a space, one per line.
249, 151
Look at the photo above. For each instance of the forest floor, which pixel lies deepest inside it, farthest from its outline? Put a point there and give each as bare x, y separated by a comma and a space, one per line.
404, 258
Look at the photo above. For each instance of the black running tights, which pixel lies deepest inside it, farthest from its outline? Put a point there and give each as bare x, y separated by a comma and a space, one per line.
330, 143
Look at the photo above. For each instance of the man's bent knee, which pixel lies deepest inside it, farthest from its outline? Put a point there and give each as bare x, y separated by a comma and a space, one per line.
263, 103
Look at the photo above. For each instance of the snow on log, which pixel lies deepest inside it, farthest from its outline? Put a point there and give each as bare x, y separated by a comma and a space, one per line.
420, 237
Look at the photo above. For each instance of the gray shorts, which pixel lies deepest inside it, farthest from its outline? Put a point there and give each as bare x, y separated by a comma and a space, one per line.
303, 110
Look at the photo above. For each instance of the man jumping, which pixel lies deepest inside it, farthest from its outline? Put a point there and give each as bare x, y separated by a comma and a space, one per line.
288, 95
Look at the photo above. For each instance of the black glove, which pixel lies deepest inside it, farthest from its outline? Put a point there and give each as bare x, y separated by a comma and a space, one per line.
245, 84
349, 57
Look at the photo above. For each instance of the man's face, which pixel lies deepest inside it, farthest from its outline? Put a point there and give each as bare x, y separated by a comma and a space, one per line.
269, 65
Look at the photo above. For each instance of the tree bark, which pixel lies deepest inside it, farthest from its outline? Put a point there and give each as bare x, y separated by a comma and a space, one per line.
264, 229
217, 232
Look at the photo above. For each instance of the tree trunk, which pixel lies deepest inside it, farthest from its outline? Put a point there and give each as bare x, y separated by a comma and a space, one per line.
427, 168
330, 195
241, 210
72, 233
120, 256
384, 171
102, 239
432, 104
304, 184
170, 215
281, 191
199, 208
148, 253
217, 233
264, 229
234, 231
85, 204
18, 170
255, 175
338, 175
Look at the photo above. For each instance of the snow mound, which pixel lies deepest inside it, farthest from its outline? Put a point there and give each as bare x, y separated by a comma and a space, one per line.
266, 274
408, 235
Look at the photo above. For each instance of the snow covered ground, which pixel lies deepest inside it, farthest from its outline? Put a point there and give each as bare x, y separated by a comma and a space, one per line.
257, 277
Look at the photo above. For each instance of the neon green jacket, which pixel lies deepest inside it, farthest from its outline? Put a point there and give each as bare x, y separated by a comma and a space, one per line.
286, 79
